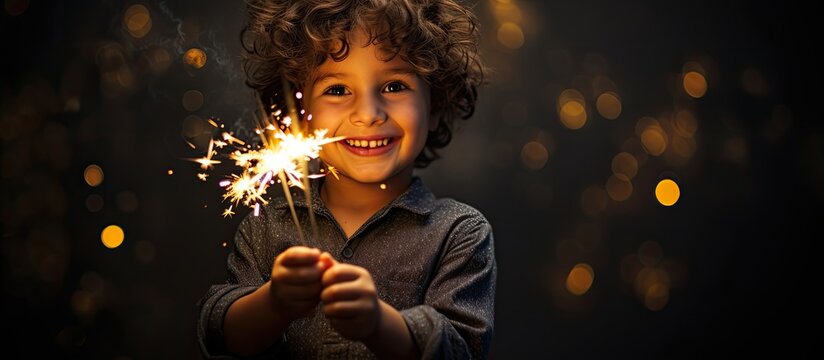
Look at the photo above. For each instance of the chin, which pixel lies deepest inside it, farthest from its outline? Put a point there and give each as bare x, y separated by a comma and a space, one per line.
370, 177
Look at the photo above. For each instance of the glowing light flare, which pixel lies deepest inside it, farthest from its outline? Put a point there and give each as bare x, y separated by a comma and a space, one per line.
625, 164
695, 84
608, 105
195, 58
580, 279
137, 20
93, 175
510, 35
667, 192
112, 236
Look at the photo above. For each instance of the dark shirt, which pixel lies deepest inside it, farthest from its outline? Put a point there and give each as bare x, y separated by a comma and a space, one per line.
432, 259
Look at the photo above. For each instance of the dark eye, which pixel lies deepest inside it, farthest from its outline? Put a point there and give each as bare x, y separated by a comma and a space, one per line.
394, 86
336, 90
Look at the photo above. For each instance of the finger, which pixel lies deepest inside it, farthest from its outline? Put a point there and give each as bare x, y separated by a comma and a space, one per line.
297, 275
345, 309
298, 256
341, 272
344, 291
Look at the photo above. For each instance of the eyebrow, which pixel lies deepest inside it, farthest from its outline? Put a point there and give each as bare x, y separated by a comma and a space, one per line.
393, 71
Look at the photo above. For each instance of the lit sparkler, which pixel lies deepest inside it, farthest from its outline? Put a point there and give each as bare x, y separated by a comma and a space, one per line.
282, 156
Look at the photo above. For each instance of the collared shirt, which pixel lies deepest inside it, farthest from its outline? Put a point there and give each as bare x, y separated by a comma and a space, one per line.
432, 259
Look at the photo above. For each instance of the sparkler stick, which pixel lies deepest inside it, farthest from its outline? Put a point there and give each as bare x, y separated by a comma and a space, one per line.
307, 190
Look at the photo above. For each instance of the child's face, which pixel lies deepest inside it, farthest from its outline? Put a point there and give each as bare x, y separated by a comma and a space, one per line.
381, 107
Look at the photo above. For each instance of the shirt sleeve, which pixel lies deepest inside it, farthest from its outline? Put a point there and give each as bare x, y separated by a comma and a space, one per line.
244, 277
456, 319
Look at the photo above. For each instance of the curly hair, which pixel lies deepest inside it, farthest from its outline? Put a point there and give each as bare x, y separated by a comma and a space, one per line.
285, 40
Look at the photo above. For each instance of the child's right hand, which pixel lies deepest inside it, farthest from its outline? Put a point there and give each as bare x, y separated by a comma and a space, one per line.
296, 281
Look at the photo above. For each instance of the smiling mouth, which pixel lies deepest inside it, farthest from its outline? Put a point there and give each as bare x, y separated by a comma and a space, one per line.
369, 144
369, 147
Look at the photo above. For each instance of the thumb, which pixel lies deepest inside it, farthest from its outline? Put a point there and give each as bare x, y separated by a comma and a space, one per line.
326, 260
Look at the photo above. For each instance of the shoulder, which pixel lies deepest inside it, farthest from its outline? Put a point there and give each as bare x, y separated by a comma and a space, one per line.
463, 218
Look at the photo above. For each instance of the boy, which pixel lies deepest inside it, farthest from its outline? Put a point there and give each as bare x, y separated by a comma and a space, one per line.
394, 272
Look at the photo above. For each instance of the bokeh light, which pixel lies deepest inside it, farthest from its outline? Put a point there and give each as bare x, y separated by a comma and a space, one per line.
93, 175
137, 20
510, 35
667, 192
656, 296
159, 58
572, 109
534, 155
608, 105
625, 164
684, 123
195, 58
653, 137
112, 236
580, 279
695, 84
192, 100
619, 187
506, 11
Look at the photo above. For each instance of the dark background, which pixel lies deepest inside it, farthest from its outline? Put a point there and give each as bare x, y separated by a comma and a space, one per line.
734, 256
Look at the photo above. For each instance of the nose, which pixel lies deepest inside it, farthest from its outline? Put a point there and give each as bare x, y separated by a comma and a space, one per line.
369, 110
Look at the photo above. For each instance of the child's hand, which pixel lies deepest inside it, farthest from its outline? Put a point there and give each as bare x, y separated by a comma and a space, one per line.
350, 300
296, 281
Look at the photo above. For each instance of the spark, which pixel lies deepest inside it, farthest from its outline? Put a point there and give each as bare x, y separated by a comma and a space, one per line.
334, 171
228, 212
202, 176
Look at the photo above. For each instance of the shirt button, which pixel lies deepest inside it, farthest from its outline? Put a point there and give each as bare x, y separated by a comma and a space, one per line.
348, 252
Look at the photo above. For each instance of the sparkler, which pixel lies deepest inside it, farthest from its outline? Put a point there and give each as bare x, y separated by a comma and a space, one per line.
282, 155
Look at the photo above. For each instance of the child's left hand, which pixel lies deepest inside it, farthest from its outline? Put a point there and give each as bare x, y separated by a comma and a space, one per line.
350, 300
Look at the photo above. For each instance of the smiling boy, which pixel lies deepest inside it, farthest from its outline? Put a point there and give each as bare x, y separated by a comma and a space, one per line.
395, 272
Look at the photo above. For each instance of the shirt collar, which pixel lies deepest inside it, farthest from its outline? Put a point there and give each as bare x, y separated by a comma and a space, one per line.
417, 198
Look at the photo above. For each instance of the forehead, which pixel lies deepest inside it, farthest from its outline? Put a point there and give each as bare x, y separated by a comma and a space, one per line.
361, 57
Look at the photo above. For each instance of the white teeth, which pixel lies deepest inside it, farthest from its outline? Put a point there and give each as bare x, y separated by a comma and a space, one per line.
371, 144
